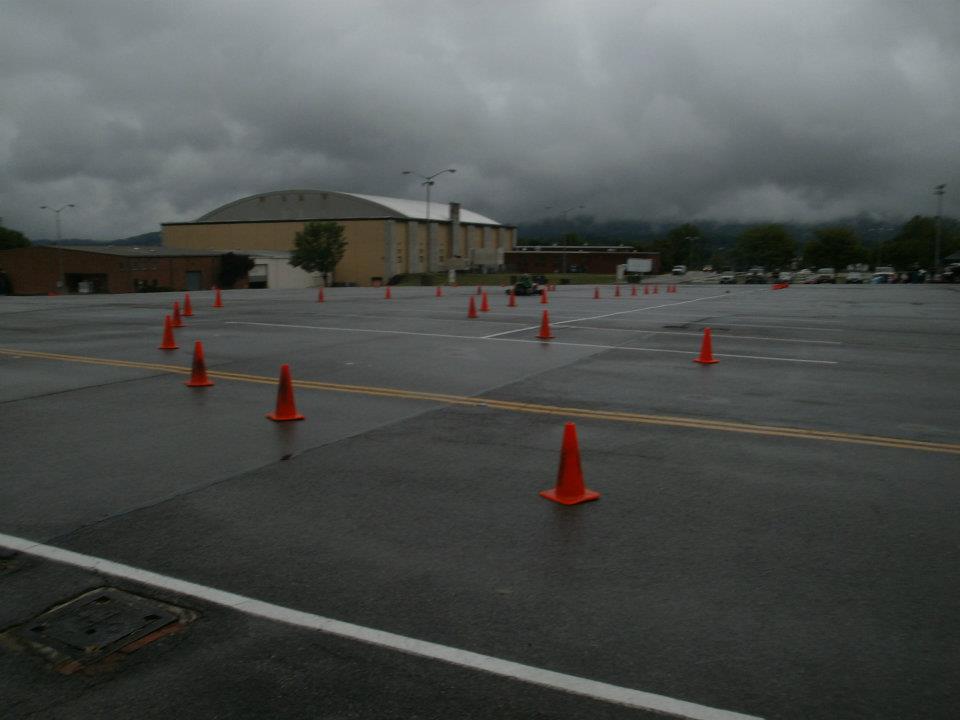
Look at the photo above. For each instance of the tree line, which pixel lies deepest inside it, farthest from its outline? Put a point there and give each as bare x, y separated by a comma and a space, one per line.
776, 245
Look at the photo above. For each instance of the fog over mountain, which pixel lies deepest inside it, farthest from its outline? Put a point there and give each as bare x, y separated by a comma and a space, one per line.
727, 110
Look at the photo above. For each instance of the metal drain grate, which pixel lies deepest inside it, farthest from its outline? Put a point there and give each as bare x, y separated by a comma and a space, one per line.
96, 624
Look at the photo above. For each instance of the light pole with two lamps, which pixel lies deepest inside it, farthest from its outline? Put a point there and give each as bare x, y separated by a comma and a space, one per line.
61, 283
428, 182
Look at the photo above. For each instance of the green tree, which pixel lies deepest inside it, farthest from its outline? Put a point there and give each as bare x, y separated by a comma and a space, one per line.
319, 247
233, 266
913, 246
769, 246
10, 239
834, 247
676, 247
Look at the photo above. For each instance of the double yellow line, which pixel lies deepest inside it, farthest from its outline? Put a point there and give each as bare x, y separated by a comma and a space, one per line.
509, 406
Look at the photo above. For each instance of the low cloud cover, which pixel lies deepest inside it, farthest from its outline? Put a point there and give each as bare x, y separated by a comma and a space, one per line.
740, 110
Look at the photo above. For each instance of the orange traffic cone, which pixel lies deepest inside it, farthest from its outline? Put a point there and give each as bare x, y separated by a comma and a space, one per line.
320, 297
387, 295
168, 342
198, 377
177, 322
570, 489
286, 409
545, 327
543, 297
484, 303
472, 310
217, 301
656, 289
596, 293
633, 291
187, 307
513, 298
706, 349
439, 292
646, 289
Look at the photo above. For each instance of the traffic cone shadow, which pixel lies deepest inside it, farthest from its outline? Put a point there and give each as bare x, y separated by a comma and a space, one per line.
198, 374
286, 408
570, 489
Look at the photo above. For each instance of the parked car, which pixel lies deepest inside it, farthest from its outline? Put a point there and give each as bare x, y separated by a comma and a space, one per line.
728, 279
708, 268
785, 277
854, 277
826, 275
882, 277
679, 269
756, 275
803, 276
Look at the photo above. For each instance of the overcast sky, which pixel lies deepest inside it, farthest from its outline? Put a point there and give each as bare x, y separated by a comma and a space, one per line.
150, 112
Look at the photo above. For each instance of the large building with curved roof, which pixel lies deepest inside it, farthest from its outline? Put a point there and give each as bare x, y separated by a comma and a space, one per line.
385, 236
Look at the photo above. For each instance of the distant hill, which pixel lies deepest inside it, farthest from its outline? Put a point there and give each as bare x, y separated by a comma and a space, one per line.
150, 238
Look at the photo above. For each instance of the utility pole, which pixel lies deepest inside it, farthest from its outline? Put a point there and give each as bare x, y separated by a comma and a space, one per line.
938, 191
62, 282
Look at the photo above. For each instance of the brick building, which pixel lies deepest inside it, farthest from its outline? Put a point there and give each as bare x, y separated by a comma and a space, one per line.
37, 270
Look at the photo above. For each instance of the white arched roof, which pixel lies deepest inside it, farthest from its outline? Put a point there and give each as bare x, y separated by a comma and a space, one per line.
329, 205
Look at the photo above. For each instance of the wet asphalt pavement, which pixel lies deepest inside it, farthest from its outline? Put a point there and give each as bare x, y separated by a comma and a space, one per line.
777, 534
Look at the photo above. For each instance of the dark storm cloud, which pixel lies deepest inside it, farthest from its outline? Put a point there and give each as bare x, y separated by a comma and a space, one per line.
743, 109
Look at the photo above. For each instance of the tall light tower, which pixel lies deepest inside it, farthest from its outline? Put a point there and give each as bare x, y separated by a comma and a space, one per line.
938, 191
428, 183
61, 283
563, 218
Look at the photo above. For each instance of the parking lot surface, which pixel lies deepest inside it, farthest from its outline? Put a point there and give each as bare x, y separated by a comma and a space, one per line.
776, 536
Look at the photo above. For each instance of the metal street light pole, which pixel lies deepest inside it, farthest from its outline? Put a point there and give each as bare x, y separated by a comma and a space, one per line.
563, 217
938, 191
61, 283
428, 183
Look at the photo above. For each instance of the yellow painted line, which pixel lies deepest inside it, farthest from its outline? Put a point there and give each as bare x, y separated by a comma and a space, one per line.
511, 406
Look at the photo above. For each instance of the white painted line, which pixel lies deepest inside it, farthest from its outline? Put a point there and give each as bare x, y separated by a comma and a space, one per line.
664, 350
784, 327
570, 684
525, 340
357, 330
724, 335
620, 312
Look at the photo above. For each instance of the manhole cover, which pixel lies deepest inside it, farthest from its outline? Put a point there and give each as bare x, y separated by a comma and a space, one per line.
96, 624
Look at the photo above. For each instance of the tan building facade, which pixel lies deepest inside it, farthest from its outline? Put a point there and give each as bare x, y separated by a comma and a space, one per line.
385, 236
